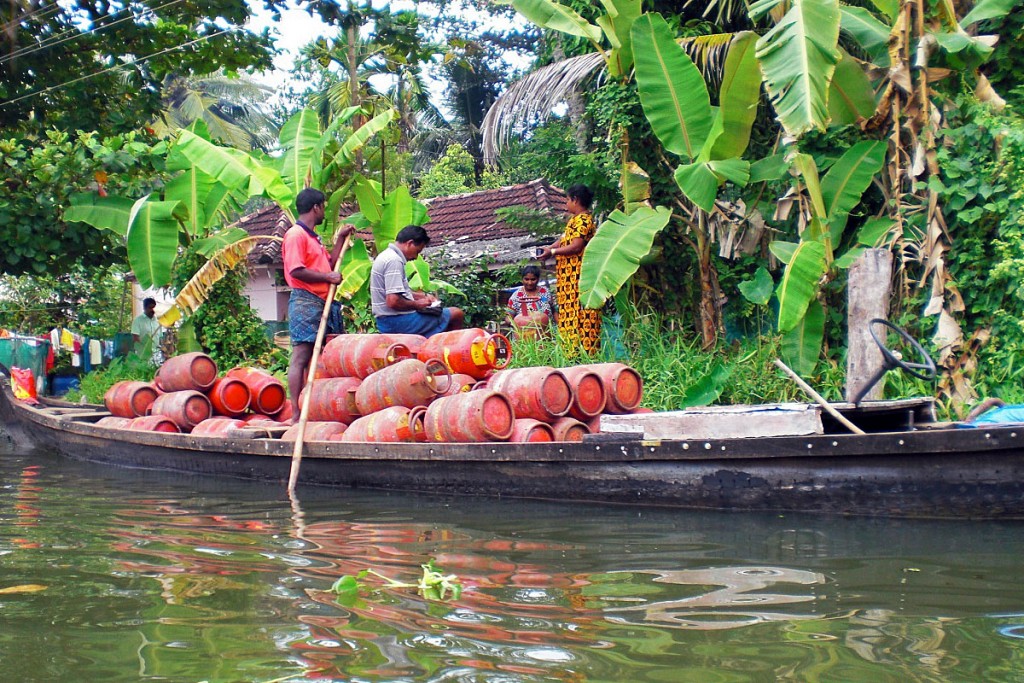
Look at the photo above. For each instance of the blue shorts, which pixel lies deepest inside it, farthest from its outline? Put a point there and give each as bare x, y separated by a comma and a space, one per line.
304, 312
414, 323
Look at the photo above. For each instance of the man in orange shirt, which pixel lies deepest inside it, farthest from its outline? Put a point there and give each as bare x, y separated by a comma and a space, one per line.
309, 271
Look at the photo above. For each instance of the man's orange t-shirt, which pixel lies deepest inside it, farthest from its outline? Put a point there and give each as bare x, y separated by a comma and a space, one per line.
303, 249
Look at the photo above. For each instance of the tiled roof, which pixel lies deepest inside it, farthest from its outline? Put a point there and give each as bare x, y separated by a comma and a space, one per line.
463, 226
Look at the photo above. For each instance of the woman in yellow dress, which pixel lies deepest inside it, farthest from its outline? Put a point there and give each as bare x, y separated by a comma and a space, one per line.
577, 326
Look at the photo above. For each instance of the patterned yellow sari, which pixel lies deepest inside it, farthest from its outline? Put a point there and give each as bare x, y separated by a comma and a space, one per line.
576, 325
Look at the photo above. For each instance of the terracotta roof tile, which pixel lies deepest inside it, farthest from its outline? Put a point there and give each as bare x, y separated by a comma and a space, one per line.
464, 225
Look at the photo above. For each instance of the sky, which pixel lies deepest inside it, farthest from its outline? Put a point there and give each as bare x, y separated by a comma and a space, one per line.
297, 28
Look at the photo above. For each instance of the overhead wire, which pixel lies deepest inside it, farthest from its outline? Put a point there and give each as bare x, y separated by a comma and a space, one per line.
58, 39
129, 63
116, 67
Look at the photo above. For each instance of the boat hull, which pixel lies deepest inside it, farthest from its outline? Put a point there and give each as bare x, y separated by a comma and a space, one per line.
934, 472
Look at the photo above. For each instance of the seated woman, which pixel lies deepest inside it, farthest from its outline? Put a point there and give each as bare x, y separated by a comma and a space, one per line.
530, 304
531, 296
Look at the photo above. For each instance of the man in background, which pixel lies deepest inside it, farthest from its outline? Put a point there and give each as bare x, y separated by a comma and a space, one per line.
146, 332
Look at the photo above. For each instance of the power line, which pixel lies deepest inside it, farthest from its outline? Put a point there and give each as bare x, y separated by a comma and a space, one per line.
132, 62
29, 15
59, 38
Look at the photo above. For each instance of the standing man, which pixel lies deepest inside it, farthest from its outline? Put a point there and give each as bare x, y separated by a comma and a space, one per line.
309, 271
395, 306
146, 332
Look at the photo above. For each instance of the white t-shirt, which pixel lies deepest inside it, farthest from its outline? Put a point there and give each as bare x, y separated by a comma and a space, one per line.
387, 276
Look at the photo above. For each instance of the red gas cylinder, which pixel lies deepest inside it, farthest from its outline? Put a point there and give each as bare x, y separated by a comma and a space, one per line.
569, 429
113, 422
360, 355
390, 425
461, 384
469, 417
622, 384
260, 419
531, 324
413, 342
542, 393
408, 383
333, 399
185, 408
129, 399
471, 352
527, 430
588, 393
594, 424
268, 394
217, 426
230, 397
195, 371
315, 431
154, 423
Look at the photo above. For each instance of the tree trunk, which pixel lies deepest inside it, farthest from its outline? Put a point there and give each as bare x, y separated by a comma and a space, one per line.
709, 318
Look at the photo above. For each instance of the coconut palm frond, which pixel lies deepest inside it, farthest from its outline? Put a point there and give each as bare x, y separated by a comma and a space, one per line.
197, 290
724, 10
533, 98
708, 53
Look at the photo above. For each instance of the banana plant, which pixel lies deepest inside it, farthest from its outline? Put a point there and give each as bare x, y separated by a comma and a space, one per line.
830, 201
613, 27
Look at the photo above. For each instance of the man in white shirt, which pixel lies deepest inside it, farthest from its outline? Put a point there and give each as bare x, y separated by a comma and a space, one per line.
146, 329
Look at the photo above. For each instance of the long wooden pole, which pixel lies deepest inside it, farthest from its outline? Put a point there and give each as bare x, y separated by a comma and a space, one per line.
293, 476
818, 398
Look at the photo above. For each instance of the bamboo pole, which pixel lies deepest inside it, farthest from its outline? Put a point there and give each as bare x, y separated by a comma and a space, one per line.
818, 398
293, 475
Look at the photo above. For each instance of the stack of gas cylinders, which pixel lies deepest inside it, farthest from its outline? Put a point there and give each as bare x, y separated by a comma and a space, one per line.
452, 388
187, 396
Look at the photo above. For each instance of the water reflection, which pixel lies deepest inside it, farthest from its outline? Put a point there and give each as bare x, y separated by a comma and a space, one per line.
178, 579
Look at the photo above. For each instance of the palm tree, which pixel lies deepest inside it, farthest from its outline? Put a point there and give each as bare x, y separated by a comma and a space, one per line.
231, 108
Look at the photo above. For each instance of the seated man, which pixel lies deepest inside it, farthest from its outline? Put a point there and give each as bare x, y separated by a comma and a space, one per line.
395, 306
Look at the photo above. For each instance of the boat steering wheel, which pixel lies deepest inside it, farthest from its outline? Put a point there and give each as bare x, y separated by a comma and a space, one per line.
925, 370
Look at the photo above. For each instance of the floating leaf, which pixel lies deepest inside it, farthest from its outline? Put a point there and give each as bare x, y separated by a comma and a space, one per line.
24, 588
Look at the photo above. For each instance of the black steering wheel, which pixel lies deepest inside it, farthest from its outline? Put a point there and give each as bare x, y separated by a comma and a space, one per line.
925, 370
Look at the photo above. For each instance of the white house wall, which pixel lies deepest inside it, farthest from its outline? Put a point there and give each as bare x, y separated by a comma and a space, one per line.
264, 297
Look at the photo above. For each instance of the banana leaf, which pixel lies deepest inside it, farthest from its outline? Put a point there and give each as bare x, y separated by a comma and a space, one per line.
798, 57
847, 259
192, 188
801, 346
418, 272
635, 185
847, 180
783, 250
808, 170
700, 181
399, 210
769, 168
105, 213
988, 9
300, 139
868, 32
672, 91
614, 253
557, 17
851, 97
209, 246
616, 24
799, 283
874, 231
361, 136
153, 240
197, 289
369, 198
738, 97
355, 269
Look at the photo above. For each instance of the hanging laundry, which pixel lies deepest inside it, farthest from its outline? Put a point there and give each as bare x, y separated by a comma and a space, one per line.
95, 351
67, 340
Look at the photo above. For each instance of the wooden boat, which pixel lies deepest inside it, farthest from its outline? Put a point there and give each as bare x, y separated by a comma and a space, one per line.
905, 465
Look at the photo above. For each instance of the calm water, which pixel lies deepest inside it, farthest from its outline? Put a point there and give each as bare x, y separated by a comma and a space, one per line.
156, 577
